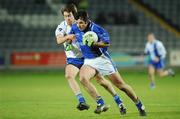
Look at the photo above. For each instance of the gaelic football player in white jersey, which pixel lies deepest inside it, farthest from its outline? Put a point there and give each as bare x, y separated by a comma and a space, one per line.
74, 58
157, 54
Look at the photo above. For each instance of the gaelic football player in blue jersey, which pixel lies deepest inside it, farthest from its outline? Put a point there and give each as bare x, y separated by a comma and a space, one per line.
97, 59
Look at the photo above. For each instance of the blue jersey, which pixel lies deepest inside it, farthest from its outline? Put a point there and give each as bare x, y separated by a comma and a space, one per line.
91, 52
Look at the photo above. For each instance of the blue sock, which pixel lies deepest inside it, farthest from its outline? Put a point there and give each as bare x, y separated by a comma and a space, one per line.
99, 100
139, 105
117, 99
80, 98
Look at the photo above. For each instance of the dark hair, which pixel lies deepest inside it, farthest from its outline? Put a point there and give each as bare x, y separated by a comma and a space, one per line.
150, 33
83, 15
70, 8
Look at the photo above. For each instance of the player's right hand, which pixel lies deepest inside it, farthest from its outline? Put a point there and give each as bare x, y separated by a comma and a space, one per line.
87, 41
71, 37
156, 59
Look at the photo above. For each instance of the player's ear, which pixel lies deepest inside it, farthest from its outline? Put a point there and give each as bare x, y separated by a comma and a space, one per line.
86, 22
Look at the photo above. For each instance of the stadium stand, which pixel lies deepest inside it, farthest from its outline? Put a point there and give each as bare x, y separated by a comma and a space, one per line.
169, 10
126, 37
26, 7
27, 25
31, 24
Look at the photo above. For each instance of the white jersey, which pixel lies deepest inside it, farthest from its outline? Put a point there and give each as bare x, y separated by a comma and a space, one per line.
155, 49
64, 29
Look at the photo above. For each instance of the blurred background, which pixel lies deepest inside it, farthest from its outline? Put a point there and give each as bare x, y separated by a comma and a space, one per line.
27, 38
32, 80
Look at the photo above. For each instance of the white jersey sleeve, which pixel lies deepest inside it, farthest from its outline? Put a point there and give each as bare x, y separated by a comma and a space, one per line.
64, 29
161, 49
60, 30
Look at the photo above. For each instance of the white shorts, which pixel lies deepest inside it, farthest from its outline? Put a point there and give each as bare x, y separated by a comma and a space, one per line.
103, 64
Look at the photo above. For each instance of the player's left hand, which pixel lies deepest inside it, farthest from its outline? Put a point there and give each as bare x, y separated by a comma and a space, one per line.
71, 37
156, 59
87, 41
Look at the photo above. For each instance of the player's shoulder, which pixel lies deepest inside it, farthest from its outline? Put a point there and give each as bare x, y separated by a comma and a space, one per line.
60, 29
159, 42
74, 26
94, 25
62, 24
148, 45
97, 28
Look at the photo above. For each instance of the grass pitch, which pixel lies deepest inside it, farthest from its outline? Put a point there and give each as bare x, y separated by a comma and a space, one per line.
46, 95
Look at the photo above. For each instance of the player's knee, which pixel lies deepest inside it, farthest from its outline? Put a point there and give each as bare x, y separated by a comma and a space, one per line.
69, 77
161, 74
151, 75
117, 83
100, 82
122, 87
83, 79
152, 72
103, 84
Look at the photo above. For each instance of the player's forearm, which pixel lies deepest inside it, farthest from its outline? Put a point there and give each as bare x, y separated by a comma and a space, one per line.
61, 39
101, 44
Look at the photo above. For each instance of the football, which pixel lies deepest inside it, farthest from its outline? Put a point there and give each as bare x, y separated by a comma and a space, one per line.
90, 35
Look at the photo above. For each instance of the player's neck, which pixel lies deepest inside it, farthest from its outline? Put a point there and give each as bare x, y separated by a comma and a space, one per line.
72, 23
87, 27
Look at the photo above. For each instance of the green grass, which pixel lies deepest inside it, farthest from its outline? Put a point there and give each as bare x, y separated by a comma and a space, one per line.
46, 95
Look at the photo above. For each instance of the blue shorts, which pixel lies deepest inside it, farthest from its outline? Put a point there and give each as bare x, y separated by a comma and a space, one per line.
157, 65
77, 62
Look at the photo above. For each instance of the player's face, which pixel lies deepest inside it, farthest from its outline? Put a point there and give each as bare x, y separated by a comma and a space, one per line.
81, 24
69, 18
150, 38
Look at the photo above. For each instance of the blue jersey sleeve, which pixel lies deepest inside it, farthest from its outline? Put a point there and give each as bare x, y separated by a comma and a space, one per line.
72, 29
101, 33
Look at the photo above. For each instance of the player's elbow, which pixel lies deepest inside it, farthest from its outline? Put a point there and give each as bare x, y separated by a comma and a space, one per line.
105, 44
108, 45
59, 41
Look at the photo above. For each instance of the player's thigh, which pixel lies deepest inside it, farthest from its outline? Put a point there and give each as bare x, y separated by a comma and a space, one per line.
116, 78
71, 71
87, 72
151, 69
160, 67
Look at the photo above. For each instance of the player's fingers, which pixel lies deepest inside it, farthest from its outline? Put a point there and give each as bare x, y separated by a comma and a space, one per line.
72, 37
84, 41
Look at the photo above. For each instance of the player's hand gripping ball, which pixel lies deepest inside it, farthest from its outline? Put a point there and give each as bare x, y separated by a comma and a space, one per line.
89, 38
